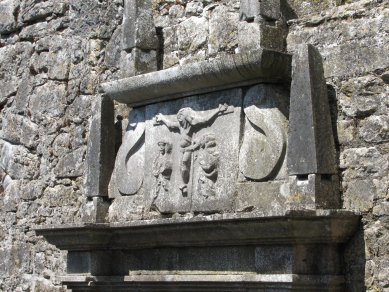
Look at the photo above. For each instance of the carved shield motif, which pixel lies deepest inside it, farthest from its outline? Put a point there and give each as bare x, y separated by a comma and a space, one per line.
129, 166
264, 143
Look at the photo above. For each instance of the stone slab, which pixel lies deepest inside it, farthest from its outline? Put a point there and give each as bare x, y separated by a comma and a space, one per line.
267, 198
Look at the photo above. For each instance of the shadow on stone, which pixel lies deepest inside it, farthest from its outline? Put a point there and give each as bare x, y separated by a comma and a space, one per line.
287, 11
354, 262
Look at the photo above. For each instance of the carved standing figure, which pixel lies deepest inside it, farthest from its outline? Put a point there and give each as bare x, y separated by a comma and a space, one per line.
162, 168
187, 122
208, 159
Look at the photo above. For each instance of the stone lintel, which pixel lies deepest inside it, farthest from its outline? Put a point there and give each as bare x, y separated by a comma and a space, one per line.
303, 227
203, 77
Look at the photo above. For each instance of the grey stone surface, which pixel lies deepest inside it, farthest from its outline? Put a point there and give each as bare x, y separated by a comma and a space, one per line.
101, 149
314, 191
214, 249
137, 62
333, 226
30, 12
274, 259
350, 35
265, 134
95, 210
223, 31
252, 36
210, 76
7, 17
311, 143
192, 34
129, 171
138, 26
251, 10
218, 283
265, 198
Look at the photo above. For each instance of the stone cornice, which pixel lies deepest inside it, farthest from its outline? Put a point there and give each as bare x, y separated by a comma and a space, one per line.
202, 77
295, 227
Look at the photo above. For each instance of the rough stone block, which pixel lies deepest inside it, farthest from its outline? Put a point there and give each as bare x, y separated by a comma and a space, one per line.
314, 191
192, 34
18, 162
223, 31
95, 210
7, 17
41, 10
138, 26
138, 62
359, 195
113, 49
251, 10
252, 36
71, 164
48, 101
101, 149
311, 143
375, 129
127, 208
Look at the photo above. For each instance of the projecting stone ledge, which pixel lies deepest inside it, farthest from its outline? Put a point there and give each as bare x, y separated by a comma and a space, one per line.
197, 78
321, 226
300, 251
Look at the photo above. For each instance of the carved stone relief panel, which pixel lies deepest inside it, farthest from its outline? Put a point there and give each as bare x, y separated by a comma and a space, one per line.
204, 135
217, 152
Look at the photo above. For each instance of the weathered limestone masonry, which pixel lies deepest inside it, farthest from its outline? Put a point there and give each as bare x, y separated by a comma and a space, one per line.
54, 55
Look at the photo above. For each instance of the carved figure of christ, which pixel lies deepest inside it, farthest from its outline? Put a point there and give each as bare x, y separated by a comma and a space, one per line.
187, 122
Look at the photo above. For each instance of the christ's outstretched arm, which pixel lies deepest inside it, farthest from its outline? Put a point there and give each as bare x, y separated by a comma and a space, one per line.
200, 119
161, 119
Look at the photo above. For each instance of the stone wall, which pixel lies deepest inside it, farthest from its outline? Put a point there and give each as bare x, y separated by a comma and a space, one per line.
353, 40
54, 54
52, 58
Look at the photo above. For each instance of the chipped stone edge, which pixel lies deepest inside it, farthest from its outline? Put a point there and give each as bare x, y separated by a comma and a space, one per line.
202, 77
